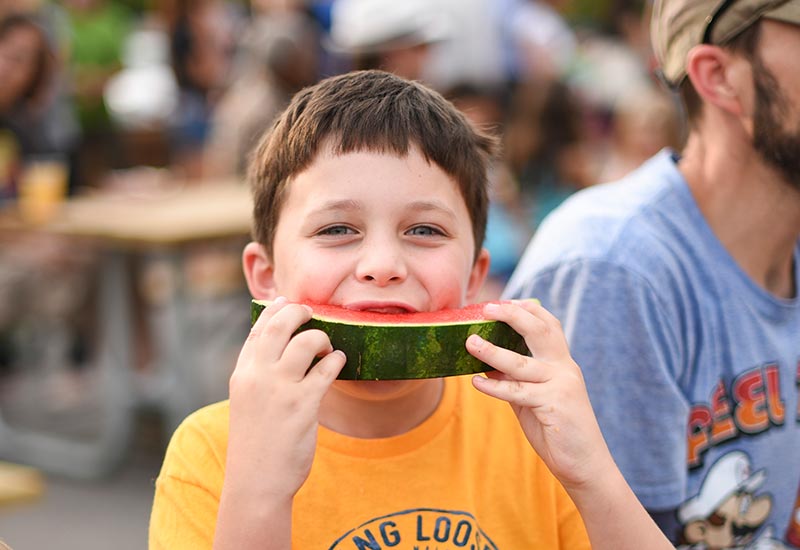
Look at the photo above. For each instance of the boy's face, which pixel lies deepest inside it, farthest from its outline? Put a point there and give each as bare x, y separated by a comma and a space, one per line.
372, 231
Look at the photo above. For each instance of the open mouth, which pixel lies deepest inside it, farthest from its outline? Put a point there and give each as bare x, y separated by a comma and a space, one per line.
388, 310
375, 307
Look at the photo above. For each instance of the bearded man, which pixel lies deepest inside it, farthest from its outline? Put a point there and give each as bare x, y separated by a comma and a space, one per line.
678, 285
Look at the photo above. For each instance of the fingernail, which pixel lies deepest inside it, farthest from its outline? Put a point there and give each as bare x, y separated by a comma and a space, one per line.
491, 308
476, 341
280, 300
308, 309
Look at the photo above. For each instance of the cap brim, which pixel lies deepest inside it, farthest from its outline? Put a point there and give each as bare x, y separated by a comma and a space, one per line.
788, 12
754, 482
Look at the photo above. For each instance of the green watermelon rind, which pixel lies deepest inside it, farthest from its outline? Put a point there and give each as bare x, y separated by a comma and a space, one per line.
408, 351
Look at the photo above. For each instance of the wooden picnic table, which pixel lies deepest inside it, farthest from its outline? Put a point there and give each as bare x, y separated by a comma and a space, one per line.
167, 222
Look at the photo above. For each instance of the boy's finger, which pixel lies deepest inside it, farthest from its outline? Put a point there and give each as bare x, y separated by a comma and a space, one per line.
273, 336
536, 308
541, 330
521, 394
511, 363
301, 351
249, 348
497, 375
322, 375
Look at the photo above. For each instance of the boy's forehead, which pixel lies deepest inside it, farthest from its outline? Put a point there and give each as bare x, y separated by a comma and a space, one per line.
330, 167
331, 150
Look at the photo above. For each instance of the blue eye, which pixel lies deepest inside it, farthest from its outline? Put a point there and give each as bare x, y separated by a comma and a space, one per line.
337, 230
424, 230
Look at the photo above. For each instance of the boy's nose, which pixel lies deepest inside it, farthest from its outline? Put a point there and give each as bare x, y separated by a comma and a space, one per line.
381, 264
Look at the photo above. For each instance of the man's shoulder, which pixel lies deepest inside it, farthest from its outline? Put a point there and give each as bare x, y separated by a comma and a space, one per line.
621, 222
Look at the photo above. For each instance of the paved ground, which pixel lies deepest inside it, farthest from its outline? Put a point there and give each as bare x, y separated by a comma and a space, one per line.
78, 515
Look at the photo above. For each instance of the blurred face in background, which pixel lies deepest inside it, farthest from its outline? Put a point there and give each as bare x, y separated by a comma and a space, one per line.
21, 53
407, 62
207, 65
8, 7
274, 6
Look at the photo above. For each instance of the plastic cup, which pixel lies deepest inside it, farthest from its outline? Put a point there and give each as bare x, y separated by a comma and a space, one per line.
41, 190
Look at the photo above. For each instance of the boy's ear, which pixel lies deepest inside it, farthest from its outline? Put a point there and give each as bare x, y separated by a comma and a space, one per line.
259, 272
478, 275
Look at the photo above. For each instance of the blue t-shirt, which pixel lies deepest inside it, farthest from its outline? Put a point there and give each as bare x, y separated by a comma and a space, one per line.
692, 368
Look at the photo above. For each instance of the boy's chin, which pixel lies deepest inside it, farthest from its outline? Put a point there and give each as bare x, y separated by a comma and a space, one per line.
379, 390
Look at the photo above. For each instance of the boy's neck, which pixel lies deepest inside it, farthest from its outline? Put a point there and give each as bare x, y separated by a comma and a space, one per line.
370, 417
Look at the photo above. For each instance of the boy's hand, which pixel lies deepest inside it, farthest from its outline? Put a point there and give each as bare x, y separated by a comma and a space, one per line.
274, 402
546, 391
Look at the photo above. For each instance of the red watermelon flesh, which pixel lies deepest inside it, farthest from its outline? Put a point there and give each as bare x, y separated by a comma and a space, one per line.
467, 314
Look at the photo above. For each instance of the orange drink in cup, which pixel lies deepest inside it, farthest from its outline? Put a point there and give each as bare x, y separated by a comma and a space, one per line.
41, 189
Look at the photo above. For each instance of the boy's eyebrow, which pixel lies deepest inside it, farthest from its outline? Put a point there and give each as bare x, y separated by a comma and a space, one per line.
349, 204
346, 204
432, 205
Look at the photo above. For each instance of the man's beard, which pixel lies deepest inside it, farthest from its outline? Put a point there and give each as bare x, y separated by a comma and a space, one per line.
778, 147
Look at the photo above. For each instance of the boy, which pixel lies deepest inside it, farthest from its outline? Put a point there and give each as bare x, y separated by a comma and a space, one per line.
370, 193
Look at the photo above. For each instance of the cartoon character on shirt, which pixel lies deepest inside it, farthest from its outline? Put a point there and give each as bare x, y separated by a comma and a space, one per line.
727, 513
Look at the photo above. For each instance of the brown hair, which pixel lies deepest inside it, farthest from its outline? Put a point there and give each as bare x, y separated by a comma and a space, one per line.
744, 44
44, 61
369, 111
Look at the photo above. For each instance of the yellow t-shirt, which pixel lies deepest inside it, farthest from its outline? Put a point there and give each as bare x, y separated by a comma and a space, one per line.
464, 478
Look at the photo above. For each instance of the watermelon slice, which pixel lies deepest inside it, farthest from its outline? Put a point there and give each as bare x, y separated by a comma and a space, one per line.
397, 346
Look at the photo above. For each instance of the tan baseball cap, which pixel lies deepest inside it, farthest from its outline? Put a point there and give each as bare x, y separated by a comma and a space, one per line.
679, 25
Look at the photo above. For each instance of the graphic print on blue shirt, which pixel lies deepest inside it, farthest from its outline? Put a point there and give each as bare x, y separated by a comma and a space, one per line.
729, 510
751, 405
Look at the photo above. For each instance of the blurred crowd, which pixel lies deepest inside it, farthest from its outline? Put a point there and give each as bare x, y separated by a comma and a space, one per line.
132, 96
188, 86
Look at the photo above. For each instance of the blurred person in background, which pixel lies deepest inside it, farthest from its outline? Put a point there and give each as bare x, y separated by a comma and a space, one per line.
387, 35
632, 117
540, 44
202, 45
545, 146
641, 125
43, 282
278, 54
54, 110
678, 285
26, 71
507, 230
613, 70
472, 52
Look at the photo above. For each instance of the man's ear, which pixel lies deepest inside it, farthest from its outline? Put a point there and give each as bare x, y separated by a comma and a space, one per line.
720, 78
477, 277
258, 271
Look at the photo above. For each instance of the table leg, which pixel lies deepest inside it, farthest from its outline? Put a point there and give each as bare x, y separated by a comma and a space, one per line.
103, 454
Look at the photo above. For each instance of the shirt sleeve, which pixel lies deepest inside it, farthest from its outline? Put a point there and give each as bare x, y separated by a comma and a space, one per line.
186, 501
624, 335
